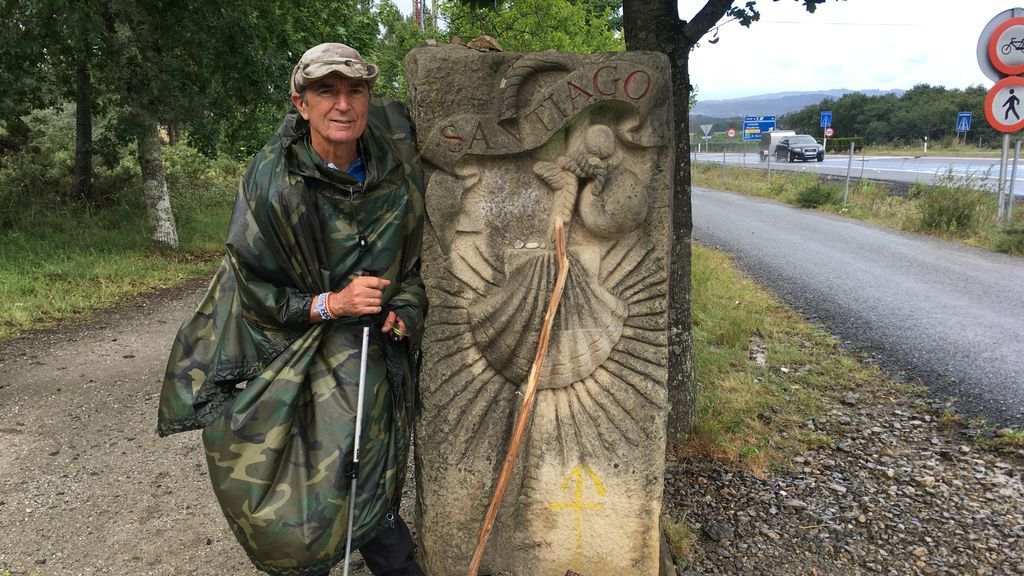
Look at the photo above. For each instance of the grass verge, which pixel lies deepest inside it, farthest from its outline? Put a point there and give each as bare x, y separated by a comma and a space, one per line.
762, 370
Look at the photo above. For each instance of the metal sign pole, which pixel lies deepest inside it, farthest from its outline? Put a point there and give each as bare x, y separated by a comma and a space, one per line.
1002, 176
1013, 180
769, 161
849, 167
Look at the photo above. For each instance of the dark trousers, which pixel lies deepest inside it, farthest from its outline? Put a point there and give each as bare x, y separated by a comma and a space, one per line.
391, 553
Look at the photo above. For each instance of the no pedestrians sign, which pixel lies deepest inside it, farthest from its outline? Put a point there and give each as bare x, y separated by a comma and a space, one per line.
1003, 105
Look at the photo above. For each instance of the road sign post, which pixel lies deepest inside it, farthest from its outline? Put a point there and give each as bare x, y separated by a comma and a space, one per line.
754, 126
826, 123
1001, 53
706, 128
963, 122
963, 125
1002, 177
849, 168
1013, 177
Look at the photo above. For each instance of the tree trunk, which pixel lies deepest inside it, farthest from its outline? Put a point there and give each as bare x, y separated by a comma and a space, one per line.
173, 132
158, 199
81, 182
655, 25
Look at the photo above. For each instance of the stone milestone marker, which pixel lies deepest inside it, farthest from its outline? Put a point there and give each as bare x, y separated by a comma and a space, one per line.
512, 142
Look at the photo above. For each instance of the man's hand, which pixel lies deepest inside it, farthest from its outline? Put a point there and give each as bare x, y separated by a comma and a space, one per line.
361, 296
395, 326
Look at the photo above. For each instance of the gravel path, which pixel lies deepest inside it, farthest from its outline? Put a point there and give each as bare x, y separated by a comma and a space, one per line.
898, 495
88, 488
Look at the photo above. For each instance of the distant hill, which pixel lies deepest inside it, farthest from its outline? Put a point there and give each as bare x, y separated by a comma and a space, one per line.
772, 104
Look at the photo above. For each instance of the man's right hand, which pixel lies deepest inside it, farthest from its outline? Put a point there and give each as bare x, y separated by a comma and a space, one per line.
362, 296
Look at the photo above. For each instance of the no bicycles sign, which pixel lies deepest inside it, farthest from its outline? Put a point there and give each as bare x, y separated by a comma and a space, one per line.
1001, 44
1006, 46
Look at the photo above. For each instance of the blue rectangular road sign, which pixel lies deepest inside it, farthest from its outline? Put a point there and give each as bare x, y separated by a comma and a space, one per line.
963, 122
753, 126
826, 119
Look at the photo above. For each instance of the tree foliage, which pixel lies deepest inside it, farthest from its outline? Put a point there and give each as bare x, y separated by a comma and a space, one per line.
398, 34
581, 26
922, 111
217, 68
214, 70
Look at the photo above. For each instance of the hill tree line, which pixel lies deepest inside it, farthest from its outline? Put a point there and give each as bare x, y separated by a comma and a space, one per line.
887, 119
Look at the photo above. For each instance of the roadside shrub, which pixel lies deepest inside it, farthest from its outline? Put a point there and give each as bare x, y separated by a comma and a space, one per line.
955, 204
1011, 239
915, 190
817, 194
777, 189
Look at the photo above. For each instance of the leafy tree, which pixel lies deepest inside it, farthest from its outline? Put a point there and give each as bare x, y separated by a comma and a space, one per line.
210, 68
535, 25
399, 34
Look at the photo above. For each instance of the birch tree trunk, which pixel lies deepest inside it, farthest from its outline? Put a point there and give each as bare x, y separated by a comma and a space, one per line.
162, 230
81, 182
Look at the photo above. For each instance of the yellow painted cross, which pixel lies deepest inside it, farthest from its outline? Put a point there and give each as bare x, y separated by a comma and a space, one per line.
577, 503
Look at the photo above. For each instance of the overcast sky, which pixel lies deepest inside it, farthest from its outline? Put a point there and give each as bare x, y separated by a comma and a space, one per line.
854, 44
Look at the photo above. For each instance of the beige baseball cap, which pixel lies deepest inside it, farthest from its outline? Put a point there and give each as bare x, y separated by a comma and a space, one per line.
331, 58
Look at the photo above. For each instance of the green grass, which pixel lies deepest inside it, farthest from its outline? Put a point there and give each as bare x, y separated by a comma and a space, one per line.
944, 149
751, 412
61, 259
1007, 439
682, 541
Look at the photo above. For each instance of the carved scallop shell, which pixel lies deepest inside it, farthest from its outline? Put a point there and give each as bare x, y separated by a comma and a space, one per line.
506, 322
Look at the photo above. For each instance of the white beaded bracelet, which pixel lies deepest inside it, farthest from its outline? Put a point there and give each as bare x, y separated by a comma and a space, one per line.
322, 307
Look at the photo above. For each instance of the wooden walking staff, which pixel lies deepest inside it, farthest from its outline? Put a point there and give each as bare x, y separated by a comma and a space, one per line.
526, 408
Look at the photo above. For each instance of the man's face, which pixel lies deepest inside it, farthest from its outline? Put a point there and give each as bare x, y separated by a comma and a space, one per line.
336, 108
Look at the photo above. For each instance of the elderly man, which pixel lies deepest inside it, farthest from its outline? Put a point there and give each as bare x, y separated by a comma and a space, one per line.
324, 239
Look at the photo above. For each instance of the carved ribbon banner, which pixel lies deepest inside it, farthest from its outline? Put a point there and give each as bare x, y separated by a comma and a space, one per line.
547, 112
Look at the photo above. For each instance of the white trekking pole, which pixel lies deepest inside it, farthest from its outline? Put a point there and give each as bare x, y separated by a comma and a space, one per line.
354, 470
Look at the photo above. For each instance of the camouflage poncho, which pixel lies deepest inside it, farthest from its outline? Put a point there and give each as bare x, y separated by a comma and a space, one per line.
279, 445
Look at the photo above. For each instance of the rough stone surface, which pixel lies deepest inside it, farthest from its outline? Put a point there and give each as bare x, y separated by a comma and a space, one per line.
514, 143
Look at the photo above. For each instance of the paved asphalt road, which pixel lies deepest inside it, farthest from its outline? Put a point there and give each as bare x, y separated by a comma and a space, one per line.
949, 314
